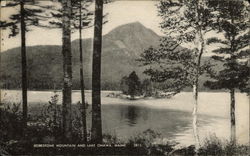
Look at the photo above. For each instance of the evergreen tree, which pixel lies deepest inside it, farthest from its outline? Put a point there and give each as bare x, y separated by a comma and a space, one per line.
29, 14
133, 85
147, 88
124, 85
84, 21
80, 18
96, 131
81, 76
67, 69
233, 51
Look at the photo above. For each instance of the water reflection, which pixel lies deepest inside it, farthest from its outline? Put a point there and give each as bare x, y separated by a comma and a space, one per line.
131, 114
128, 120
164, 116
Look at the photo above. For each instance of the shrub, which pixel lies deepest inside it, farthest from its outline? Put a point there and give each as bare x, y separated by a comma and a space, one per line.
216, 147
147, 140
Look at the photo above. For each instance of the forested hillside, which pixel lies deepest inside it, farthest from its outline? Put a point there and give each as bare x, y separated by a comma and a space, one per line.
121, 47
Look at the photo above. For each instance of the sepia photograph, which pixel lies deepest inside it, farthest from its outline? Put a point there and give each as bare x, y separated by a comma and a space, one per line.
125, 77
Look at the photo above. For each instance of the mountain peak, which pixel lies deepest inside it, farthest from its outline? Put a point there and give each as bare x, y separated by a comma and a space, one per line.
133, 26
136, 23
134, 37
132, 29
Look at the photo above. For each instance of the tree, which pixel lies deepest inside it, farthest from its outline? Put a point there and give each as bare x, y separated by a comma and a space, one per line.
96, 131
185, 22
170, 66
133, 85
124, 85
26, 17
83, 22
233, 51
147, 88
81, 76
67, 69
80, 18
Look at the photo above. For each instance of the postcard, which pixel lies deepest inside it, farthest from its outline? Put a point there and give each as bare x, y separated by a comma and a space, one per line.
117, 77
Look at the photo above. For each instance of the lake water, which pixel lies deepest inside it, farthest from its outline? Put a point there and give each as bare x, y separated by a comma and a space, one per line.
170, 117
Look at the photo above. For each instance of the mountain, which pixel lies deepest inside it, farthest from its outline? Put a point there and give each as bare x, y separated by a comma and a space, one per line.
121, 47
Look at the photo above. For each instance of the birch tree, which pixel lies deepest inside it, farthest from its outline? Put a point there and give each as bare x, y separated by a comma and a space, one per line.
187, 22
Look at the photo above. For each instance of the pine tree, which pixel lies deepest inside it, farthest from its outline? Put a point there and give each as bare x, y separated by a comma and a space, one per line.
67, 69
133, 85
233, 51
147, 88
124, 85
82, 23
29, 15
81, 77
80, 18
96, 131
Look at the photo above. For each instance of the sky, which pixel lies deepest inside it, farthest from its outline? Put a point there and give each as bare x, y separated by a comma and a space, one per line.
119, 13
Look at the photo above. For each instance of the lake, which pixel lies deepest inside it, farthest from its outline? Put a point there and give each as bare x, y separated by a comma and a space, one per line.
170, 117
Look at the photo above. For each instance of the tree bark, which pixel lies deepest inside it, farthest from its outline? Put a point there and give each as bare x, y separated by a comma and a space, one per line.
67, 70
96, 130
196, 91
200, 47
195, 116
232, 115
83, 109
24, 66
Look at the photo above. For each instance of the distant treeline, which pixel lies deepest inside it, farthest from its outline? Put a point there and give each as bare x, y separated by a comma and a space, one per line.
48, 83
44, 84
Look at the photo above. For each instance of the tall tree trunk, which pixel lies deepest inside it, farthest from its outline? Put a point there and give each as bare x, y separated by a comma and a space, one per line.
83, 109
67, 69
24, 66
201, 45
96, 130
232, 90
196, 91
232, 115
195, 110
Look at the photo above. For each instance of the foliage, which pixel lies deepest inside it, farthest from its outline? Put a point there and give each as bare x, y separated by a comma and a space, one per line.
51, 117
147, 140
33, 16
10, 122
182, 22
131, 85
212, 146
124, 85
216, 147
233, 50
111, 139
147, 88
168, 65
86, 15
